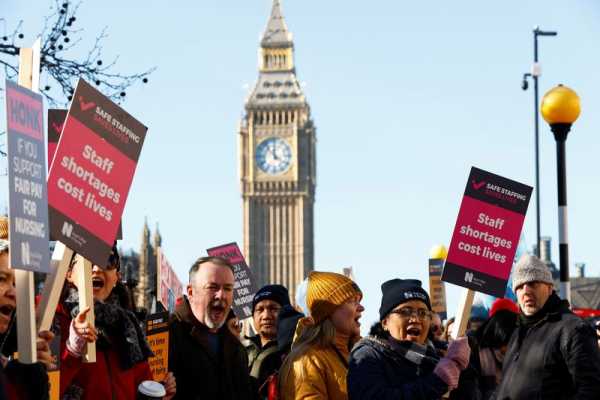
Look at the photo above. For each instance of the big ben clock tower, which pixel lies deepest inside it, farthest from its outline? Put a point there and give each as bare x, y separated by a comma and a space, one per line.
277, 165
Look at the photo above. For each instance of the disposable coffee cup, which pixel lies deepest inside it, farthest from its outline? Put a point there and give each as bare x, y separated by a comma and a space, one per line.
151, 390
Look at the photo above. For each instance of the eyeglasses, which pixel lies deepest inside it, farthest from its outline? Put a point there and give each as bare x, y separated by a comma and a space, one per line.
408, 312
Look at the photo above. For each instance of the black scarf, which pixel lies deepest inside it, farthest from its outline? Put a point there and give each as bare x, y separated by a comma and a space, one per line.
552, 305
117, 327
423, 355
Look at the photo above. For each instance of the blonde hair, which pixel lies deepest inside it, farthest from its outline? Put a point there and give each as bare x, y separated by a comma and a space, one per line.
321, 335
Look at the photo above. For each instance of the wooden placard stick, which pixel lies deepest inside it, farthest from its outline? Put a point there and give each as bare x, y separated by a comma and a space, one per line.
59, 264
26, 332
463, 313
86, 299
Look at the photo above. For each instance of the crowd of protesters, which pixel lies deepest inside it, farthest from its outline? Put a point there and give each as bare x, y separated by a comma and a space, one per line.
535, 349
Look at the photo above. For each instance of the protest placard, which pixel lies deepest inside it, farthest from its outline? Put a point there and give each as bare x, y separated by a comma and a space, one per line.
169, 287
56, 121
486, 233
437, 289
157, 333
28, 195
91, 174
243, 290
29, 71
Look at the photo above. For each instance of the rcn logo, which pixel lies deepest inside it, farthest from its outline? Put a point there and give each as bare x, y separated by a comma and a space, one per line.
25, 253
67, 229
468, 277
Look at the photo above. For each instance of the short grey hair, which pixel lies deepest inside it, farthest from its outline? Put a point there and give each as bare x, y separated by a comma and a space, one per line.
220, 261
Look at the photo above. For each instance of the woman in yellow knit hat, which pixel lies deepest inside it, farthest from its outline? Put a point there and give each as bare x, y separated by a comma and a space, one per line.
316, 367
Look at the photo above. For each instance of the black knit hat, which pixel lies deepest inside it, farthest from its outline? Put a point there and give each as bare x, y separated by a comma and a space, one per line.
398, 291
277, 293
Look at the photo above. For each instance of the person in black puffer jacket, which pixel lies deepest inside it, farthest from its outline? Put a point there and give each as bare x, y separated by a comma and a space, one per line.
488, 346
397, 361
553, 353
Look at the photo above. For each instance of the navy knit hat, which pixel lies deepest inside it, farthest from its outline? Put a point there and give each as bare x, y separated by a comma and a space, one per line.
286, 327
398, 291
279, 294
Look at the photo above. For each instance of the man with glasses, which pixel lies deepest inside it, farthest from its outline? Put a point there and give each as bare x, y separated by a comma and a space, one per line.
207, 360
263, 356
437, 332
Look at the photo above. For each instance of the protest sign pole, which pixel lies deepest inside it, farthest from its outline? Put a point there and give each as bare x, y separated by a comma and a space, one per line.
53, 286
86, 299
463, 313
26, 332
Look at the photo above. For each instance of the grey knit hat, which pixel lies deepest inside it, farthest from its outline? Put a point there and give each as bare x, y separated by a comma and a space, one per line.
530, 269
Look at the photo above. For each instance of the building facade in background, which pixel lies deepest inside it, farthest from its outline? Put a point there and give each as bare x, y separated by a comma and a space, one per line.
585, 291
138, 270
278, 165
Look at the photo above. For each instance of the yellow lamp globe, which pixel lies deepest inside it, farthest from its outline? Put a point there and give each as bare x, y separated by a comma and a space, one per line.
438, 252
560, 105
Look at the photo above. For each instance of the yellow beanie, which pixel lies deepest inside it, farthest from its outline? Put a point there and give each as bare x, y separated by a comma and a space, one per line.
326, 291
4, 227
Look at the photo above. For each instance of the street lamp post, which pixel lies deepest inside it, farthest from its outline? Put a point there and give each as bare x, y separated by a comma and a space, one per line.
536, 71
560, 108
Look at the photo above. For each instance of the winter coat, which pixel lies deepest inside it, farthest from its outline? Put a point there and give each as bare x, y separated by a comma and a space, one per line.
379, 372
104, 379
318, 374
199, 373
556, 357
24, 381
263, 361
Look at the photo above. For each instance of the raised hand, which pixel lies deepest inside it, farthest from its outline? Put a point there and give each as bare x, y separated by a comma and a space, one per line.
80, 332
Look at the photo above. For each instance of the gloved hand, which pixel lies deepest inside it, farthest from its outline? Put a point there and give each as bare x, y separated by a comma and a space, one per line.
457, 359
448, 371
459, 351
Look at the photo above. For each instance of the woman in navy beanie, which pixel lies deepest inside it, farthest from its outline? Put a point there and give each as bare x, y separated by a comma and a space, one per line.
397, 361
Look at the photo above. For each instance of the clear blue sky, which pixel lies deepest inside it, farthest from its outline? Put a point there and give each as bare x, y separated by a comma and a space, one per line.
406, 97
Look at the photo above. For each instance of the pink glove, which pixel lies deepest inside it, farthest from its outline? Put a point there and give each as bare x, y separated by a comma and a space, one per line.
75, 343
459, 352
448, 371
457, 359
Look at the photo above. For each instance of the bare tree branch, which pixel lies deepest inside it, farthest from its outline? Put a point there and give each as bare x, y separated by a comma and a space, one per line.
58, 37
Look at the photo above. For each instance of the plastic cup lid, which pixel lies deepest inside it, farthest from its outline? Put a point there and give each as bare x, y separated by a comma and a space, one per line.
152, 388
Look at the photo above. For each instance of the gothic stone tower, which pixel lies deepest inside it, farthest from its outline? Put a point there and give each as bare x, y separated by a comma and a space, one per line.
145, 290
277, 165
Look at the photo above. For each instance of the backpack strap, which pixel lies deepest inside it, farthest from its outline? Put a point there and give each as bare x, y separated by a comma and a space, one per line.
256, 365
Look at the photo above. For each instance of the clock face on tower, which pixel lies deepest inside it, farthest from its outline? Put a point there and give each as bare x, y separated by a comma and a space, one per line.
273, 156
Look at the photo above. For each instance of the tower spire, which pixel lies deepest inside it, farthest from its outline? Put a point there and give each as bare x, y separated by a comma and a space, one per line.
277, 83
276, 34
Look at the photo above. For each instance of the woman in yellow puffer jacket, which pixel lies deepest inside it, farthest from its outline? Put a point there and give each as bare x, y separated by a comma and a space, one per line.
317, 366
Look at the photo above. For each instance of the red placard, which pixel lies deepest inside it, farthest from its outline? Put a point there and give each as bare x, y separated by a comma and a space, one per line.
169, 286
486, 234
91, 173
